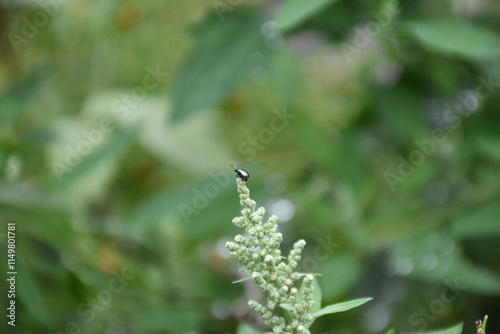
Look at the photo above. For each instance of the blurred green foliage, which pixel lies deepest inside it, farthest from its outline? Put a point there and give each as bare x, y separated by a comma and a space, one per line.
370, 127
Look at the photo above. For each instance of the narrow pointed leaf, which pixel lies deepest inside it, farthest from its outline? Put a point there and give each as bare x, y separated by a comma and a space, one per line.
457, 329
294, 12
341, 307
218, 62
456, 37
286, 306
242, 280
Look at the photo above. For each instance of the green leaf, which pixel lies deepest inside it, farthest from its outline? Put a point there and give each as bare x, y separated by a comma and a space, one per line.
456, 37
445, 263
40, 214
22, 90
155, 319
305, 274
148, 211
31, 294
408, 123
317, 295
341, 307
474, 278
286, 78
221, 59
489, 146
294, 12
286, 311
457, 329
101, 153
242, 280
248, 278
480, 223
287, 307
343, 159
342, 268
245, 329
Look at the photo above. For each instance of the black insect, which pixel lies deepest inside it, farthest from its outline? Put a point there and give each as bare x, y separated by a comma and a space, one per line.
241, 173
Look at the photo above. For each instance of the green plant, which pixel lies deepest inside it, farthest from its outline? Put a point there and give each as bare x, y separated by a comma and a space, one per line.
481, 325
289, 308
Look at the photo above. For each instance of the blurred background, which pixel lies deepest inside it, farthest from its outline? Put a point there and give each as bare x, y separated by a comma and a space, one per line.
371, 128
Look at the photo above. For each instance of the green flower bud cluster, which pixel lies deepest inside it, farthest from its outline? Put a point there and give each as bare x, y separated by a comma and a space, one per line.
288, 308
